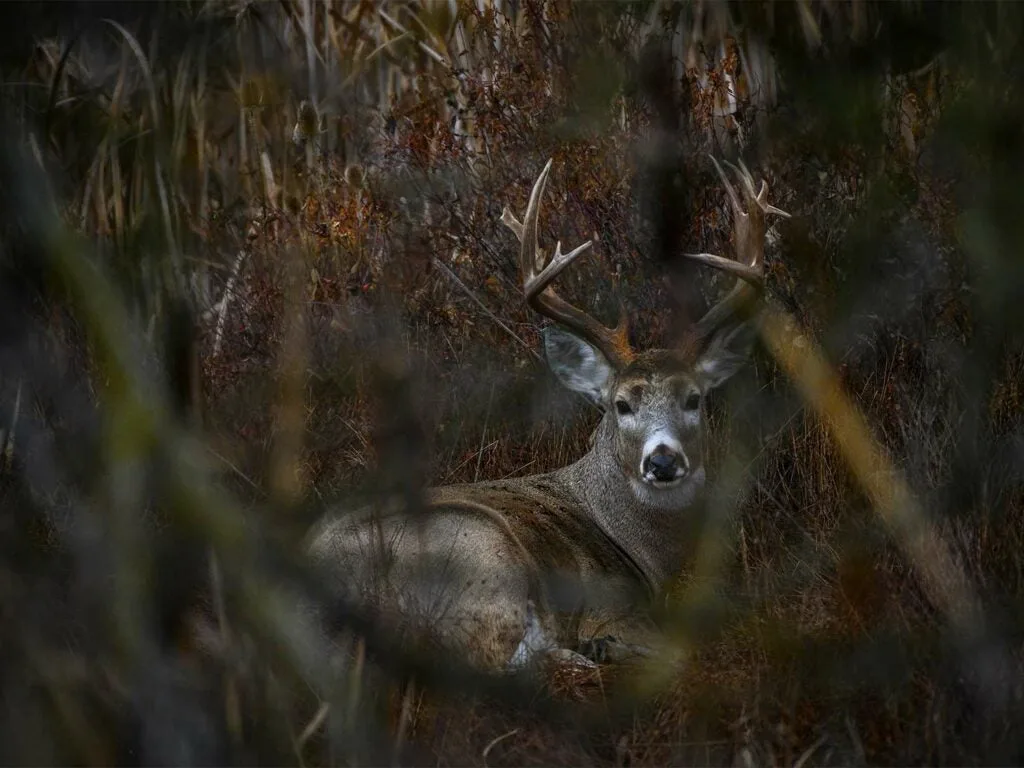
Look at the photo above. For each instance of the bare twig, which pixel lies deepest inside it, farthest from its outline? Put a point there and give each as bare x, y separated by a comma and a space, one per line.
471, 295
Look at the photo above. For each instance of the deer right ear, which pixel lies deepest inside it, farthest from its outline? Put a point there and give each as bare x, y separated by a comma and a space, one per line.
578, 364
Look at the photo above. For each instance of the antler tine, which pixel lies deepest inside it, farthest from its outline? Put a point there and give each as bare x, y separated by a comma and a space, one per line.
510, 221
730, 190
748, 268
762, 196
538, 276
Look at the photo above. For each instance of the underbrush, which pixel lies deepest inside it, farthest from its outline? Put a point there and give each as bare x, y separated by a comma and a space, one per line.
225, 311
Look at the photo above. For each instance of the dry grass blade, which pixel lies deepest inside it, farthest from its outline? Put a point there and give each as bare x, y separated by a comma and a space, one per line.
147, 74
495, 742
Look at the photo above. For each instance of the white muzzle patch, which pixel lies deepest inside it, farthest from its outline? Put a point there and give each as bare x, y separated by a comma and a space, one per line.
669, 445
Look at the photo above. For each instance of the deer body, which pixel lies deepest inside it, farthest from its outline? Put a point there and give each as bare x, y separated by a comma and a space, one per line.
504, 571
575, 545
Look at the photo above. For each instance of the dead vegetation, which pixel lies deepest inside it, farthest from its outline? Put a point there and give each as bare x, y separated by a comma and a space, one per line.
856, 595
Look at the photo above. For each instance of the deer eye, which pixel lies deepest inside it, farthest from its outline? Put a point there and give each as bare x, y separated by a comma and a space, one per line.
623, 408
692, 401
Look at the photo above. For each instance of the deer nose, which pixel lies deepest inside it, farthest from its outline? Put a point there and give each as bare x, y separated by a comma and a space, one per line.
664, 464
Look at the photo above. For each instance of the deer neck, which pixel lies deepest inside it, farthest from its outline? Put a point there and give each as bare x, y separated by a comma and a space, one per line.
656, 529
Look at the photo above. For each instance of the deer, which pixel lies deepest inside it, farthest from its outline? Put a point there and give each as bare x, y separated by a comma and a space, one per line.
566, 564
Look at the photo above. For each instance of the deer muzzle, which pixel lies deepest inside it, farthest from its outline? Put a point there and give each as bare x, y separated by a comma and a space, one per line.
665, 464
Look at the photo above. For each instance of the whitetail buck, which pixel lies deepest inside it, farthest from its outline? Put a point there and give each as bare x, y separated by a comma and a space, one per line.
504, 571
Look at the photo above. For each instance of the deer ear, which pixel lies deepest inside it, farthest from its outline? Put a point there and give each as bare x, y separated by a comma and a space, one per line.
726, 354
578, 365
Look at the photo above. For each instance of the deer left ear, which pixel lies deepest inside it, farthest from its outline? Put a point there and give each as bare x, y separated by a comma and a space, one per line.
726, 354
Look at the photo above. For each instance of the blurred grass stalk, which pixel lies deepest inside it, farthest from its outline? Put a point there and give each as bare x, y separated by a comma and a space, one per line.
944, 581
138, 176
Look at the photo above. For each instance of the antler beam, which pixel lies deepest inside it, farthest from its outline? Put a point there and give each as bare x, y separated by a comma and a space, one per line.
538, 277
748, 239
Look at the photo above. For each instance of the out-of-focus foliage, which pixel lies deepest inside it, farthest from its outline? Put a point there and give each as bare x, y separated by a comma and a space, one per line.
252, 266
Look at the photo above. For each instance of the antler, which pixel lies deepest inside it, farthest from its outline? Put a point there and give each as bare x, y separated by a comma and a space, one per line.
748, 236
537, 278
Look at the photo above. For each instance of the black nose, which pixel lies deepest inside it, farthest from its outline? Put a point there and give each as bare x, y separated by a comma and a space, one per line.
662, 465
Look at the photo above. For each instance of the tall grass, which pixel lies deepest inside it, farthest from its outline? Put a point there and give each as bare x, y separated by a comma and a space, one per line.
253, 268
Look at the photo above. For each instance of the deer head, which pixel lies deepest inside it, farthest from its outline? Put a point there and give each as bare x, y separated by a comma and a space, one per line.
652, 400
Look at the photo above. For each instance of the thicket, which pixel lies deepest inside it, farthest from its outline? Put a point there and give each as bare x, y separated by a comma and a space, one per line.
252, 267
